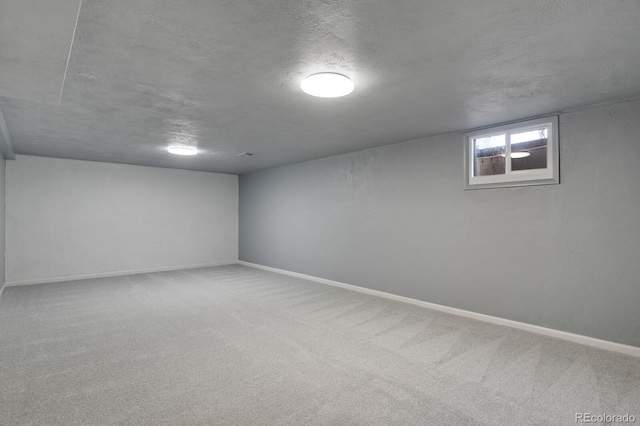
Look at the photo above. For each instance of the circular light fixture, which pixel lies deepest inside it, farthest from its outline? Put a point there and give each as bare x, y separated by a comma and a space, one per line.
518, 154
182, 150
327, 85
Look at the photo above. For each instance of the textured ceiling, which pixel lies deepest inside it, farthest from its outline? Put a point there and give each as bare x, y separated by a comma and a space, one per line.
225, 75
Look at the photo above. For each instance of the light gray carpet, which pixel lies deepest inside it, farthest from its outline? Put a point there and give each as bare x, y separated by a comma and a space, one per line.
237, 346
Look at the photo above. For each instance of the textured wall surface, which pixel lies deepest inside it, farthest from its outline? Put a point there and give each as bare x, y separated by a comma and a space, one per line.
2, 228
396, 219
68, 218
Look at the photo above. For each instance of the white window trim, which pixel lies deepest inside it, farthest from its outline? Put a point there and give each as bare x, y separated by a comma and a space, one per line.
548, 176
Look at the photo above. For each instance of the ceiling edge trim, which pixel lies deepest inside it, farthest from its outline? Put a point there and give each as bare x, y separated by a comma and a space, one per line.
66, 68
6, 146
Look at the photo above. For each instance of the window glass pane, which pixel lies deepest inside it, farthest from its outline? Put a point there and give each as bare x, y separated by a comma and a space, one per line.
529, 150
488, 154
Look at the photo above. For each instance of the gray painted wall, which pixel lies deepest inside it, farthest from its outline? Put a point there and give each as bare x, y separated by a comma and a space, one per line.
68, 218
2, 230
396, 219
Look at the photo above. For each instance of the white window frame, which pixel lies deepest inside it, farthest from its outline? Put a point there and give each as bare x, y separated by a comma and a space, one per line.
548, 176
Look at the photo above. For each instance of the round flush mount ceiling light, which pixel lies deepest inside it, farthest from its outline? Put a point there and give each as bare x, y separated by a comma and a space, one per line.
182, 150
327, 85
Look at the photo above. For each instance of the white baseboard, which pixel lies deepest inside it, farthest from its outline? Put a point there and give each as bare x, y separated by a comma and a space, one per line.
564, 335
112, 274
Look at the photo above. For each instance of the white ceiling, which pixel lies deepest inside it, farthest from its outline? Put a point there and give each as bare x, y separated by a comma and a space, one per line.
225, 75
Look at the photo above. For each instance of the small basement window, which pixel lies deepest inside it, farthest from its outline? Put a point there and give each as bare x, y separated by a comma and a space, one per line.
518, 154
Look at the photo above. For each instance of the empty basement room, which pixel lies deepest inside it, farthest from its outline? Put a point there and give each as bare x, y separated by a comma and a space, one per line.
319, 212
